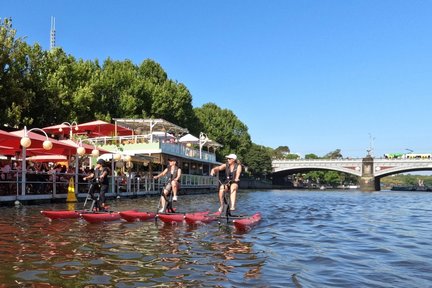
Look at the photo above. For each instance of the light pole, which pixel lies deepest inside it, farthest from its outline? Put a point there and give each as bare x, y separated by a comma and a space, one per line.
70, 127
371, 145
25, 143
203, 139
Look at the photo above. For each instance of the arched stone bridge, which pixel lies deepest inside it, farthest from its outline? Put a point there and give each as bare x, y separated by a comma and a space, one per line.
370, 170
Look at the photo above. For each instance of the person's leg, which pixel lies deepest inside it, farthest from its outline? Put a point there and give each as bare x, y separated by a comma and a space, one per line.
103, 190
93, 198
174, 189
163, 201
92, 191
234, 188
222, 189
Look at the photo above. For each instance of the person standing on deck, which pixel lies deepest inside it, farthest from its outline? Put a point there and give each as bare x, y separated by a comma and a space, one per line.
233, 170
173, 173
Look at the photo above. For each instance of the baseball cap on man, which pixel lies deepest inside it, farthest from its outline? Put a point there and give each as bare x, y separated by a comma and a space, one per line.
231, 156
101, 161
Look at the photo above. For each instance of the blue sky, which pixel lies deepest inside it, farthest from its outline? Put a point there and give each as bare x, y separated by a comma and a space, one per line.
311, 75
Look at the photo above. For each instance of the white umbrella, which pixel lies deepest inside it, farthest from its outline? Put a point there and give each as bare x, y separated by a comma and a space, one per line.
189, 138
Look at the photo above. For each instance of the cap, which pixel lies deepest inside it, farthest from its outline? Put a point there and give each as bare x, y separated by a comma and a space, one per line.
101, 161
231, 156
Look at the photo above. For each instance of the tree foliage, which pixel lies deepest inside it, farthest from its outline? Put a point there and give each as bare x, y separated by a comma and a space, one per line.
258, 159
223, 126
280, 152
336, 154
40, 88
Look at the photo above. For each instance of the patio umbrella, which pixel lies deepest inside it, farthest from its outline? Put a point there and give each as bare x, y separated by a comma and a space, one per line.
189, 138
65, 129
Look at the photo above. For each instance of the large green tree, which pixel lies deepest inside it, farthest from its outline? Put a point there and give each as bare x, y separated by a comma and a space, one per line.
223, 126
258, 160
15, 77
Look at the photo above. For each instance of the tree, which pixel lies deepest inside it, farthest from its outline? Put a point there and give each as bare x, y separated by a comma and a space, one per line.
311, 156
15, 68
258, 160
173, 102
280, 152
223, 126
333, 155
291, 156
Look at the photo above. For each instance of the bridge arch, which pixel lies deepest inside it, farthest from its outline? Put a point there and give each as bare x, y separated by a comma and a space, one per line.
370, 170
353, 167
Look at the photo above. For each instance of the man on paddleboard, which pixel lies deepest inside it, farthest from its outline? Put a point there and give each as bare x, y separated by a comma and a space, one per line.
233, 170
100, 183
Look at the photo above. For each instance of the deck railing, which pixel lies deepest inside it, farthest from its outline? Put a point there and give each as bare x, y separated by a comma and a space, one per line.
178, 149
44, 185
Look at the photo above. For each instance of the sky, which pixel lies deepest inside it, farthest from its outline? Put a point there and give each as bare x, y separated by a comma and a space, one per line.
313, 75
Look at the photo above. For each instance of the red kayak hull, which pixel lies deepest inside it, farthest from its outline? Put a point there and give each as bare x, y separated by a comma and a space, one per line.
171, 218
247, 223
132, 216
200, 217
99, 217
178, 217
62, 214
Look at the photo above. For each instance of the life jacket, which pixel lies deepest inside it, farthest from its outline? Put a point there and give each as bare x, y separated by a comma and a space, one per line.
173, 175
230, 175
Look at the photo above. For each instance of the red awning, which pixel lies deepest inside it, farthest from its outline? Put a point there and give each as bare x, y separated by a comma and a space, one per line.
91, 129
9, 140
47, 158
36, 147
88, 147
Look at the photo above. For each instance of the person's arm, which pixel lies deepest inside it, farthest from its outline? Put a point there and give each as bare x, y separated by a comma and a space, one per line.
89, 176
217, 168
238, 173
104, 174
161, 174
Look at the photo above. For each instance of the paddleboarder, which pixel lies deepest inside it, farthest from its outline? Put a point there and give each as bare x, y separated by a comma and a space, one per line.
173, 173
233, 170
100, 183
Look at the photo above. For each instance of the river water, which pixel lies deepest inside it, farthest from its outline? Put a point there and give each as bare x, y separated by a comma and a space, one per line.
305, 239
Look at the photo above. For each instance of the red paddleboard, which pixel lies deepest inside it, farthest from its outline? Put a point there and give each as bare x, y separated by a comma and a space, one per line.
248, 222
99, 217
178, 217
62, 214
171, 217
132, 216
200, 217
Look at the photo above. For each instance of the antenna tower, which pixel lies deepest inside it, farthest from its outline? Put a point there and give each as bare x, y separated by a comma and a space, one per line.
52, 33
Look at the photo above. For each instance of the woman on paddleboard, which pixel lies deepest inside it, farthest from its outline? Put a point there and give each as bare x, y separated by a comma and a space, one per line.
233, 170
173, 173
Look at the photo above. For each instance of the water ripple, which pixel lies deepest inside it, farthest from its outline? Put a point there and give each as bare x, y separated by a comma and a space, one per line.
306, 239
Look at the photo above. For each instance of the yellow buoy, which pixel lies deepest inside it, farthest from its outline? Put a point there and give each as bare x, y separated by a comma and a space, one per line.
71, 197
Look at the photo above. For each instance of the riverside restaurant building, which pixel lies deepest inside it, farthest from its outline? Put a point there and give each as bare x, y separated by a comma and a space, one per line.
134, 149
